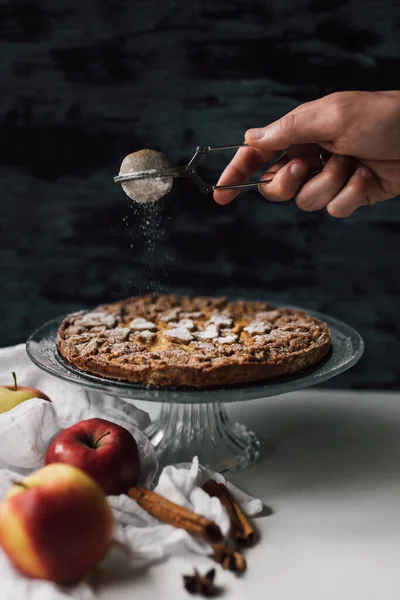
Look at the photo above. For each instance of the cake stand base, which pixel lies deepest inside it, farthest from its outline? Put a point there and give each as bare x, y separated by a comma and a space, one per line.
182, 431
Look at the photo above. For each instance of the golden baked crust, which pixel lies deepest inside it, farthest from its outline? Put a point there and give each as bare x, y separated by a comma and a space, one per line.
167, 340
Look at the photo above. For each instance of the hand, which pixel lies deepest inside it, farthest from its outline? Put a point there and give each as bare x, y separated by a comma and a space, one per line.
360, 129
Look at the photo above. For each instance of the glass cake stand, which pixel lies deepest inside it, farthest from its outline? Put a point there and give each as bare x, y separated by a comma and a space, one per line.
194, 422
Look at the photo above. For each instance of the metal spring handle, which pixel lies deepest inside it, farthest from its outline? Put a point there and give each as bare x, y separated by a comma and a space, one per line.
190, 170
206, 188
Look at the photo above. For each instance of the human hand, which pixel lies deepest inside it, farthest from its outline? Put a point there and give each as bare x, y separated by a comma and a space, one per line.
360, 129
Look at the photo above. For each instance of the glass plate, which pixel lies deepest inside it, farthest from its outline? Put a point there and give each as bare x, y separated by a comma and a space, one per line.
347, 349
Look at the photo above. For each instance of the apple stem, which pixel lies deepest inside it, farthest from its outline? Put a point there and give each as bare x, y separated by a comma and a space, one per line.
15, 381
100, 438
20, 483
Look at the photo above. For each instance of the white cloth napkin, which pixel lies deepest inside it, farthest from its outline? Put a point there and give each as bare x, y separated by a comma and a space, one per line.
25, 432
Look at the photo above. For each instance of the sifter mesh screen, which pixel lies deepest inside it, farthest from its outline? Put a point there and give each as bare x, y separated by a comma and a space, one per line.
149, 189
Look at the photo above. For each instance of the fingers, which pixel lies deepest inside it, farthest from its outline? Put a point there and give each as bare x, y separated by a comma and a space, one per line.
322, 188
243, 165
352, 196
318, 121
328, 188
286, 182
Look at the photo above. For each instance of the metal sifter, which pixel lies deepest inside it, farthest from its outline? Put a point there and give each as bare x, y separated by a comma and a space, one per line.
147, 175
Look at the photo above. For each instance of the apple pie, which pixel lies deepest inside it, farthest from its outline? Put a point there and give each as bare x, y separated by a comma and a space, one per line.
168, 340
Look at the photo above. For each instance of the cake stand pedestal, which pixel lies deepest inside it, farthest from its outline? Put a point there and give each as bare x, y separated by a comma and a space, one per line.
182, 431
193, 421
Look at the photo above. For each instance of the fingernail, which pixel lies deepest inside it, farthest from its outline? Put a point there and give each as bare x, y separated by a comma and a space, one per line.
366, 173
298, 170
255, 134
340, 158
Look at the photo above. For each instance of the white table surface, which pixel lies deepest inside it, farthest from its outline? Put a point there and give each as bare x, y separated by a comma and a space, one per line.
333, 483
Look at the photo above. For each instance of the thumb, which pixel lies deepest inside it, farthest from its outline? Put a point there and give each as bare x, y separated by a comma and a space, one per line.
310, 123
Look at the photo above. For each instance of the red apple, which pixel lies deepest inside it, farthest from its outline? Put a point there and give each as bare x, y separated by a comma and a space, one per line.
56, 524
12, 395
104, 450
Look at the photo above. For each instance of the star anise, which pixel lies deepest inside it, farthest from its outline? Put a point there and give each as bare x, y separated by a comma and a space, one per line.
201, 584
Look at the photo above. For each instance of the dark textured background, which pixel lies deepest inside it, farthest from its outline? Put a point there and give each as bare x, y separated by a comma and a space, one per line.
82, 84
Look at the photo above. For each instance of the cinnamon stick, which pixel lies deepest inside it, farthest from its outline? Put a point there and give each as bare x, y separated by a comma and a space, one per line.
168, 512
229, 558
242, 531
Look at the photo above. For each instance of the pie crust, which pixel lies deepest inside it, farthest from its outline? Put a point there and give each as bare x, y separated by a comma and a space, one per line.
182, 341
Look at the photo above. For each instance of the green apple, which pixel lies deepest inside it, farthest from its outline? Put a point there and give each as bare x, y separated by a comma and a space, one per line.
56, 524
12, 395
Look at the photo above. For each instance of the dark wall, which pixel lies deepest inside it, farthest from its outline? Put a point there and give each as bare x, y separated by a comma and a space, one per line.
85, 83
